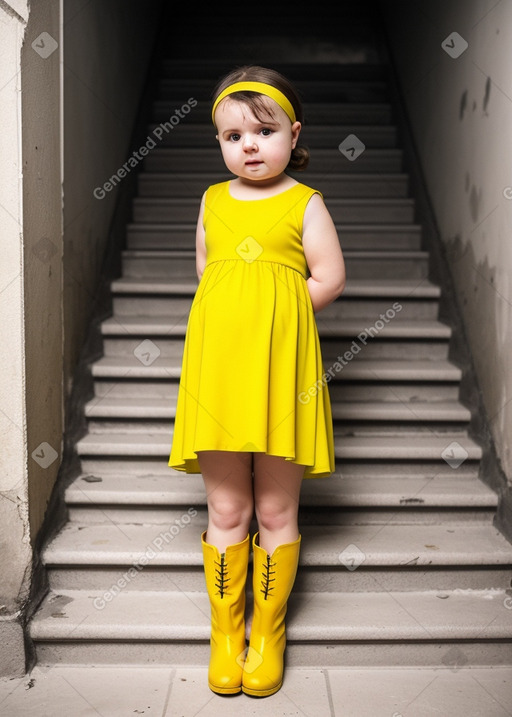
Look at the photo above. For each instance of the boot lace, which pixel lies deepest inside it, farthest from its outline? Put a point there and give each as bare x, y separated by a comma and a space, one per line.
221, 575
266, 587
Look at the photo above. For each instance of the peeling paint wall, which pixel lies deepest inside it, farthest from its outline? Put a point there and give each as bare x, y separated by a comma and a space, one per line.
42, 252
454, 62
30, 290
53, 235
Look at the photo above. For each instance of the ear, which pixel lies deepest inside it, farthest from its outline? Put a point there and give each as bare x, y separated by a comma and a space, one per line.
296, 128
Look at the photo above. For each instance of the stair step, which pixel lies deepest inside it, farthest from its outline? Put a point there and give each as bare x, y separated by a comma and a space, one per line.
399, 546
356, 90
343, 557
376, 348
134, 281
321, 160
348, 499
412, 300
150, 209
121, 325
216, 68
168, 184
313, 136
174, 627
359, 393
348, 487
414, 446
154, 409
326, 113
362, 237
400, 273
153, 466
131, 367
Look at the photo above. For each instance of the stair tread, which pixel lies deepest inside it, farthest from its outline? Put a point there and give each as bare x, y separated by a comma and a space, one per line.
214, 68
193, 84
344, 490
350, 253
412, 445
190, 226
314, 134
377, 105
322, 545
213, 177
123, 325
158, 408
332, 201
200, 128
377, 370
214, 152
408, 288
179, 615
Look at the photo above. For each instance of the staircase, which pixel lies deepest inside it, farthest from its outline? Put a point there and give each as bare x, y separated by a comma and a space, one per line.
400, 563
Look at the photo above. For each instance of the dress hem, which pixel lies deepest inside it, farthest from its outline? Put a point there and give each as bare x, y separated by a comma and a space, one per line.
191, 465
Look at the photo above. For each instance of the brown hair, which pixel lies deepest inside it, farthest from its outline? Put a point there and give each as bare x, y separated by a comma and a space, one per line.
254, 73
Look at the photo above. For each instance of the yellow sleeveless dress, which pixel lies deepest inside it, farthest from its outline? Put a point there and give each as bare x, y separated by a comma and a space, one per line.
252, 368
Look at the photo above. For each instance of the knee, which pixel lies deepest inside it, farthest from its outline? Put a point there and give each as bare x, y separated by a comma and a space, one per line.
274, 516
228, 514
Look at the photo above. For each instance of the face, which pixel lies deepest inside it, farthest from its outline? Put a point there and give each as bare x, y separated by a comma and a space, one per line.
252, 150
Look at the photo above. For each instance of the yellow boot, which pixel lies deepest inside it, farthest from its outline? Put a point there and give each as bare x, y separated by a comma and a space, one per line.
272, 584
226, 574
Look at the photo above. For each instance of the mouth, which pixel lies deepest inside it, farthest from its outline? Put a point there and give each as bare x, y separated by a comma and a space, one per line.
253, 162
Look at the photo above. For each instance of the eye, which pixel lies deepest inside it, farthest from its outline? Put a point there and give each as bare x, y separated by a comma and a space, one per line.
266, 132
234, 137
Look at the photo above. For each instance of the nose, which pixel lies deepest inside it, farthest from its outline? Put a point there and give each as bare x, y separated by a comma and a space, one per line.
249, 143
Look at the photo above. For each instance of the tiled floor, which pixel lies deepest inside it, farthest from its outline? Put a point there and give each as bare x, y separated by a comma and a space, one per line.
183, 692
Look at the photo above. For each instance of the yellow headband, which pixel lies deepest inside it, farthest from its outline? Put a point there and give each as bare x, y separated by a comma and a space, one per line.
263, 89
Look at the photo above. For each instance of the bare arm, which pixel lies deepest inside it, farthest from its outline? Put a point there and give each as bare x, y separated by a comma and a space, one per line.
323, 254
200, 243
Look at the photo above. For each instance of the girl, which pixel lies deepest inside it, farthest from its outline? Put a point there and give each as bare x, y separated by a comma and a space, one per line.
244, 417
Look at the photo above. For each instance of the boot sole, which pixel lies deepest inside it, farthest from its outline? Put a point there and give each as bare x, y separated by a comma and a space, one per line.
225, 690
261, 693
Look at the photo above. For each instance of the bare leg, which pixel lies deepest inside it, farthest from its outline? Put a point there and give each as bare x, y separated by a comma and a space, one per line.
227, 478
277, 485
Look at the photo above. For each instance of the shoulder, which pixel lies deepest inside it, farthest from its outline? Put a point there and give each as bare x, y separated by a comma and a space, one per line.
214, 192
307, 192
217, 188
312, 199
316, 213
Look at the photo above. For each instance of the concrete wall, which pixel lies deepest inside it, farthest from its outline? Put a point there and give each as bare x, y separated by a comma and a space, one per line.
53, 235
42, 251
108, 46
459, 103
30, 286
